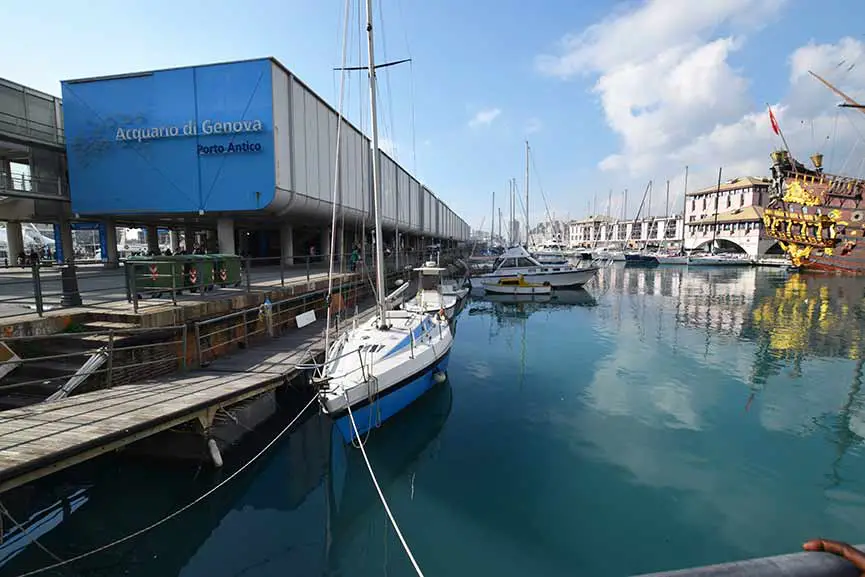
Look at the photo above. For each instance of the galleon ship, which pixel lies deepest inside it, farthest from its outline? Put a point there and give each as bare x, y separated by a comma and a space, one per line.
817, 218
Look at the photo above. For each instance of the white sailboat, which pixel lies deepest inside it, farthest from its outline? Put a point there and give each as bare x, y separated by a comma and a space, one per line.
375, 369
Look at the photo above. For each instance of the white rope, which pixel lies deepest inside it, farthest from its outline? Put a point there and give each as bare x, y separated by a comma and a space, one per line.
381, 495
178, 511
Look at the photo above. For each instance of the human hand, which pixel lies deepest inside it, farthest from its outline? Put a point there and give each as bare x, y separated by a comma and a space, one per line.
850, 553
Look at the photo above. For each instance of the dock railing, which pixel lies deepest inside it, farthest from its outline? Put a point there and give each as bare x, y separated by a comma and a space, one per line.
51, 367
41, 285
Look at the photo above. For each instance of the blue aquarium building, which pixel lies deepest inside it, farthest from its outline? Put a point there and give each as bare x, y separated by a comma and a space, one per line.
242, 151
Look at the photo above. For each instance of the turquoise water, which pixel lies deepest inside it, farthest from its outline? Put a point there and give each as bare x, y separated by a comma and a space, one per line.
663, 419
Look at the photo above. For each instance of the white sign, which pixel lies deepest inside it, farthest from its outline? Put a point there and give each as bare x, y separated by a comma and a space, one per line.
205, 127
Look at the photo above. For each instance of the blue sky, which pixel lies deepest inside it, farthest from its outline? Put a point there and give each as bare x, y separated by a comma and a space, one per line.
609, 94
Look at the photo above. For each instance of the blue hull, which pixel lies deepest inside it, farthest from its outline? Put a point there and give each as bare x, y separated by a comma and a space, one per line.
391, 402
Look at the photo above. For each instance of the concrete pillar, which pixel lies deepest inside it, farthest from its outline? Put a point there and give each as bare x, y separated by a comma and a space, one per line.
110, 257
14, 241
286, 240
211, 241
173, 240
225, 235
152, 233
325, 241
188, 239
6, 176
69, 281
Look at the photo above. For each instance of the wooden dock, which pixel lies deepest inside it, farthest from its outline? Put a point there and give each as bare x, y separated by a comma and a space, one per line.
38, 440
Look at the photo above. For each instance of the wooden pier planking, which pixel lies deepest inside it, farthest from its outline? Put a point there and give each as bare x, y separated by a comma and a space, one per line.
38, 440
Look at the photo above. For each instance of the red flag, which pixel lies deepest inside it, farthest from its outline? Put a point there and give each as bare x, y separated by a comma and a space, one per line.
774, 122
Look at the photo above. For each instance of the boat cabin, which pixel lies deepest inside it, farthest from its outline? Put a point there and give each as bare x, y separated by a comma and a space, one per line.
430, 276
518, 258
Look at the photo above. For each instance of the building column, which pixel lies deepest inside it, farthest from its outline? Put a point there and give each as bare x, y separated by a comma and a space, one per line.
188, 239
211, 241
70, 296
6, 177
14, 241
152, 233
225, 235
286, 241
109, 256
173, 240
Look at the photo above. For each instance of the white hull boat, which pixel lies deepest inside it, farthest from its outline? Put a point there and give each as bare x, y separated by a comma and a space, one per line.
671, 259
517, 262
376, 369
380, 372
718, 260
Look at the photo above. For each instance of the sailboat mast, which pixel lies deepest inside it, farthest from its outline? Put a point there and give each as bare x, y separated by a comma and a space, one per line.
717, 201
493, 221
684, 209
376, 173
527, 195
337, 185
511, 216
667, 201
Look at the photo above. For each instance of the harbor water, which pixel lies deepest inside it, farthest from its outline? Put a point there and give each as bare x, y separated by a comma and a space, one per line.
661, 419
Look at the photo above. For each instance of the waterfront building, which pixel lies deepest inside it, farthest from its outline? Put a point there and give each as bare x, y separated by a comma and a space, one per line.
730, 216
602, 231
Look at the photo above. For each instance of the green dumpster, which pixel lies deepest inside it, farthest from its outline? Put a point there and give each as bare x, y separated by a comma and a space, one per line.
153, 275
226, 269
198, 272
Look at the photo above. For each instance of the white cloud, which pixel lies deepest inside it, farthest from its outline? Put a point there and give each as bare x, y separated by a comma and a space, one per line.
484, 117
674, 98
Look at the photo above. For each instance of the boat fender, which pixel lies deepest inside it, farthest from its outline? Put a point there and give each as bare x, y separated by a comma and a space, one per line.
439, 377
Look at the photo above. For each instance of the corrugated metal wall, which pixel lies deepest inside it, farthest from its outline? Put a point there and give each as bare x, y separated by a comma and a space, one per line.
304, 146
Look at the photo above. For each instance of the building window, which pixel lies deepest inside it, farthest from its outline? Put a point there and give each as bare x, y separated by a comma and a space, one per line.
704, 203
728, 201
693, 205
741, 200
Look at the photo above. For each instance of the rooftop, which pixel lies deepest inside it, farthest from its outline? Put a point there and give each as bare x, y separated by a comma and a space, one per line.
734, 184
747, 214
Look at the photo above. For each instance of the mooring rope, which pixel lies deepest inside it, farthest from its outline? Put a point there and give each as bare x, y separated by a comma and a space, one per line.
381, 495
178, 511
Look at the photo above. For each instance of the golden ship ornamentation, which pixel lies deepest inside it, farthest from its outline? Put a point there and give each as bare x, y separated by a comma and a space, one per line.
817, 218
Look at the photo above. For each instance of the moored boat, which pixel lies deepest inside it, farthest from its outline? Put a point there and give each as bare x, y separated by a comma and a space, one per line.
817, 217
430, 298
719, 260
376, 369
640, 259
671, 259
517, 261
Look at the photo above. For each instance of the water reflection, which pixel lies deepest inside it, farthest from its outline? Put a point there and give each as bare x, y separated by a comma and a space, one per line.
686, 347
686, 416
360, 535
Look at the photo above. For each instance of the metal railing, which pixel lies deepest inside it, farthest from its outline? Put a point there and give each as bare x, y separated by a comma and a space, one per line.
269, 319
44, 285
51, 366
26, 127
22, 183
